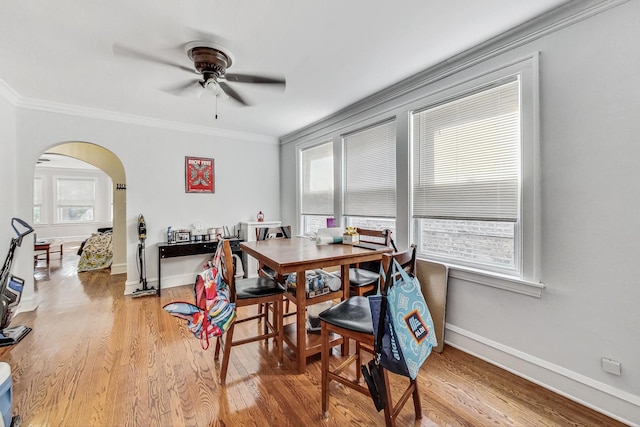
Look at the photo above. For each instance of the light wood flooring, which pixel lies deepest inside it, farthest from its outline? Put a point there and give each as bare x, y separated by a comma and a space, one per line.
98, 358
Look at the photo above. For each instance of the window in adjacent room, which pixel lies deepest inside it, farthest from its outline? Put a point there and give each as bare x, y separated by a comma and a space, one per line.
369, 188
316, 196
467, 178
76, 199
38, 194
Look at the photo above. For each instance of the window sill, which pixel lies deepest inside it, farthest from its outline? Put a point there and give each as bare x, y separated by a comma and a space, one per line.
506, 283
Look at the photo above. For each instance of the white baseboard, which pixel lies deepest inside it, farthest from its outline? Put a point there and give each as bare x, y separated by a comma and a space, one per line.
601, 397
26, 304
167, 282
118, 268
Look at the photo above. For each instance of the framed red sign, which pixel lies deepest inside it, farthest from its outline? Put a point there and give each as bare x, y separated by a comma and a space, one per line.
199, 175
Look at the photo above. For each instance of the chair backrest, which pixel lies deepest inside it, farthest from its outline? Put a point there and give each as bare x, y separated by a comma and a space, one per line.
382, 237
228, 269
282, 232
406, 259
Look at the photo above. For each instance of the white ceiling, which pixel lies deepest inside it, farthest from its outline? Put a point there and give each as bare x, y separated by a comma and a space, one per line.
332, 52
53, 160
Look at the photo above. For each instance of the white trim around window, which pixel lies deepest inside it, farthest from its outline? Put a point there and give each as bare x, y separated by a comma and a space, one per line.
525, 276
315, 185
527, 279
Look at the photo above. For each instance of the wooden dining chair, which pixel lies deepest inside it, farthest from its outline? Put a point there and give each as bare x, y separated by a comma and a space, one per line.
248, 292
264, 233
273, 232
351, 319
363, 277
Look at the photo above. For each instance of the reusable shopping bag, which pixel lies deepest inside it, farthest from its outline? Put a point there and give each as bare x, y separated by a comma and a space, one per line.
402, 323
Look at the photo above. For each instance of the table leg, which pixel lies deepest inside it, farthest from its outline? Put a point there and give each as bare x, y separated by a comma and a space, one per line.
48, 250
301, 319
344, 274
159, 271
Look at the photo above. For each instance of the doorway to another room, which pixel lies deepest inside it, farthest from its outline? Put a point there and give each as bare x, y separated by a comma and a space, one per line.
79, 210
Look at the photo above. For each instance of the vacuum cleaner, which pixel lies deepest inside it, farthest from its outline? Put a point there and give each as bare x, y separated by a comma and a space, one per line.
11, 289
142, 265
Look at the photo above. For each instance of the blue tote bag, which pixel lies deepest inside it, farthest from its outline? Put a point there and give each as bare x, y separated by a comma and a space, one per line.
407, 335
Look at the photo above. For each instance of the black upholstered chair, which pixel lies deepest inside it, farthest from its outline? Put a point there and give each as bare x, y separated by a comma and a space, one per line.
351, 319
247, 292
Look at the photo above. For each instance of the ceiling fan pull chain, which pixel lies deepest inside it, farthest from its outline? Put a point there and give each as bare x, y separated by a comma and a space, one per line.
216, 107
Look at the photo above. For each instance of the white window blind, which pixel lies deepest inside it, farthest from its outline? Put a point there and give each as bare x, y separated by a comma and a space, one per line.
37, 200
74, 192
317, 180
467, 156
76, 199
37, 191
370, 172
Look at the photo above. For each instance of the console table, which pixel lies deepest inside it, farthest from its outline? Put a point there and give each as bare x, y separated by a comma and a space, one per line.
172, 250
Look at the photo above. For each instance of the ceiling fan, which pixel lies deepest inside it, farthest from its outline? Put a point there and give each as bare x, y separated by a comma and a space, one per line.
211, 62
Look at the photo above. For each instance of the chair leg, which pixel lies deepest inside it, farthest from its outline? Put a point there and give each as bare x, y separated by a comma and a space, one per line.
228, 342
324, 336
358, 363
278, 317
265, 321
216, 354
390, 410
417, 404
344, 348
389, 418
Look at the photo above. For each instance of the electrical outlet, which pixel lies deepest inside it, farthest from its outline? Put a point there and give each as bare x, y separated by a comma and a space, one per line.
611, 366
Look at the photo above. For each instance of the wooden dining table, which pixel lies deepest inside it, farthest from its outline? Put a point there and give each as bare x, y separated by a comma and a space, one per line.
297, 255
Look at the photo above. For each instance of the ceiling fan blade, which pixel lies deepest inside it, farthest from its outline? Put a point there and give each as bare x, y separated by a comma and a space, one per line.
122, 50
248, 78
192, 87
232, 93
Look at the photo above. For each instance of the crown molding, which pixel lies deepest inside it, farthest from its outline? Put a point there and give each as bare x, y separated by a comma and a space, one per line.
8, 93
561, 17
94, 113
18, 101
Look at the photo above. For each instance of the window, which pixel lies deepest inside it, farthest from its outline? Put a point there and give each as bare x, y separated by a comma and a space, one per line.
370, 177
466, 178
373, 224
316, 204
38, 216
75, 199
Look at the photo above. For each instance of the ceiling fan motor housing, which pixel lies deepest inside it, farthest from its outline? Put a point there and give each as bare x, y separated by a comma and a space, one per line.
209, 62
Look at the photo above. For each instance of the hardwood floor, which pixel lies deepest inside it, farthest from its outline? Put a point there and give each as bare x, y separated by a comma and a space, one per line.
98, 358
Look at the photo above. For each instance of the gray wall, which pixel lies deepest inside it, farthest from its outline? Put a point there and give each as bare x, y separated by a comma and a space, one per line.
590, 233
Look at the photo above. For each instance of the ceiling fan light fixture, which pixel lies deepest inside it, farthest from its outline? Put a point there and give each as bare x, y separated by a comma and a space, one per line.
212, 85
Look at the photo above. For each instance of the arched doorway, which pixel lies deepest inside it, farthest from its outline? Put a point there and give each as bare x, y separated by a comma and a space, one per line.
110, 164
